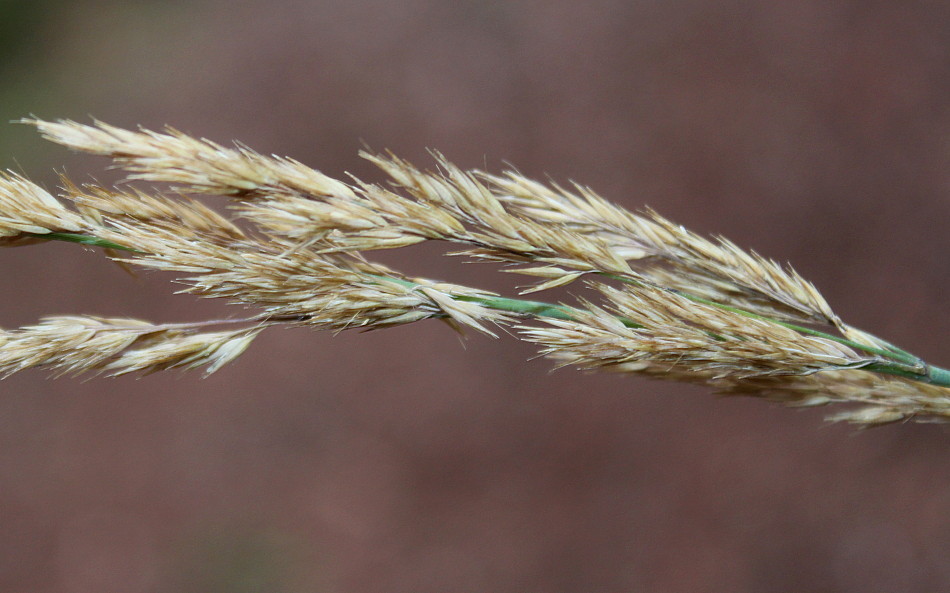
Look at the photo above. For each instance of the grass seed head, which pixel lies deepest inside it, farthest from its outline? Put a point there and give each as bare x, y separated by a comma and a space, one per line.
293, 244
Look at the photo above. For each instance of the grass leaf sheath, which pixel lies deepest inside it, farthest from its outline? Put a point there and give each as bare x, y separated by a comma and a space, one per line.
296, 248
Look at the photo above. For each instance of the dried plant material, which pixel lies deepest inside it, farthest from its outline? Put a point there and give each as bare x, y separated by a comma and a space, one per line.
103, 207
163, 351
666, 303
200, 165
494, 232
882, 399
26, 208
655, 329
668, 253
74, 345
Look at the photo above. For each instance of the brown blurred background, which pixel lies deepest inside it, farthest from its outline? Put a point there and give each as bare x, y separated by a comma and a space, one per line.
403, 461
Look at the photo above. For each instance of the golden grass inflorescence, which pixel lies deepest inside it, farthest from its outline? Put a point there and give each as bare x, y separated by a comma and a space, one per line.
663, 302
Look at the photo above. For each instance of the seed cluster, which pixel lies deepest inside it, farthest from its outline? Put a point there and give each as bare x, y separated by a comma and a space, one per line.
295, 247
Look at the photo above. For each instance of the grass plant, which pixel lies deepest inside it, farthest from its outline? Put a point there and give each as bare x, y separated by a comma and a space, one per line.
661, 301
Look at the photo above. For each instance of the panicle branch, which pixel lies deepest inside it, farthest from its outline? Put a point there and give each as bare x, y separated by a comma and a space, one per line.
75, 345
294, 249
679, 336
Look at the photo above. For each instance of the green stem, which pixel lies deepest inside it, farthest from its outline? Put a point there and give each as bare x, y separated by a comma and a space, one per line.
932, 375
83, 239
520, 307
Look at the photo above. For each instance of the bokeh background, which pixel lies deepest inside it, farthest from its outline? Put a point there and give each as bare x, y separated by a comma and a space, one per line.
406, 461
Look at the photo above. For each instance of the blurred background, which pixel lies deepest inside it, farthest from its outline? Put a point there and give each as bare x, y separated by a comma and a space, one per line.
407, 461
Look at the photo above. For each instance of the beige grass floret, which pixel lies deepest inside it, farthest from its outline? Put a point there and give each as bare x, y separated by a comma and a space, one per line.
26, 208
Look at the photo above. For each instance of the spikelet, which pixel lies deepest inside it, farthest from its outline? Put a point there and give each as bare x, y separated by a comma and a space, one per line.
199, 165
28, 209
75, 345
669, 254
667, 334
